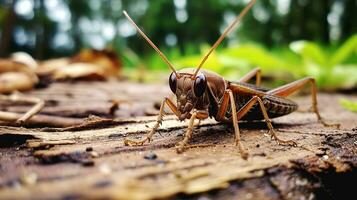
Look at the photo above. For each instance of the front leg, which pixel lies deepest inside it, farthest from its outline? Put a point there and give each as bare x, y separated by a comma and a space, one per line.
180, 147
128, 142
228, 96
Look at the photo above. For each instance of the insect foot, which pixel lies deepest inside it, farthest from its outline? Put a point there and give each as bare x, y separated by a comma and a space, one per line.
128, 142
244, 154
336, 125
280, 141
180, 147
287, 142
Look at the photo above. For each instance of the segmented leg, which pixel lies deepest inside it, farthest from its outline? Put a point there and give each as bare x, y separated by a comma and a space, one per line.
244, 110
290, 88
228, 97
156, 126
236, 116
254, 73
180, 147
257, 98
198, 123
236, 127
197, 114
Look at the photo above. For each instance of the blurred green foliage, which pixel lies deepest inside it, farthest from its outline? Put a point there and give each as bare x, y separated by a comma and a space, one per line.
288, 39
62, 27
334, 67
349, 105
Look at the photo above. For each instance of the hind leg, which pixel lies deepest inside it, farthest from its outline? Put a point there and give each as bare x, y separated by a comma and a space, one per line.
286, 90
254, 73
236, 116
239, 114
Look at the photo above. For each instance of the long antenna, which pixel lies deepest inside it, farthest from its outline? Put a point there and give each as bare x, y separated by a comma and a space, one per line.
151, 43
224, 34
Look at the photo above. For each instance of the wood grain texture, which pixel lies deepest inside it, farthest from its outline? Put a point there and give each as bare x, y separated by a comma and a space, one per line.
90, 160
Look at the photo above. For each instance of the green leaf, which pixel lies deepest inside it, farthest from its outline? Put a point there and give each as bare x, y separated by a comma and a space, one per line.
346, 50
260, 57
349, 105
310, 52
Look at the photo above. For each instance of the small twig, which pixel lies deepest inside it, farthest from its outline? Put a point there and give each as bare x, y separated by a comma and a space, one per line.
17, 97
8, 116
39, 120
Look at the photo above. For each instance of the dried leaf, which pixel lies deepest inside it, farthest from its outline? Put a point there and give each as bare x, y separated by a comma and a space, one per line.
50, 66
88, 64
80, 70
25, 58
15, 81
106, 60
16, 76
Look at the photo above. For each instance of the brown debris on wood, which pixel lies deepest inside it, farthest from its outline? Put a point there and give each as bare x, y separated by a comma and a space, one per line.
89, 64
16, 76
89, 159
15, 98
70, 107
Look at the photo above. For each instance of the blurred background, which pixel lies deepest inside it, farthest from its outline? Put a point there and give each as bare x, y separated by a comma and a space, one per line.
288, 39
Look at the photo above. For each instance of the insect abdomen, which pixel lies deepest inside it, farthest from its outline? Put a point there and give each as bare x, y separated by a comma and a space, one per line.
275, 107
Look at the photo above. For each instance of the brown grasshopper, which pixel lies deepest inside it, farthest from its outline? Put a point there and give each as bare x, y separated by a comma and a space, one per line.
201, 94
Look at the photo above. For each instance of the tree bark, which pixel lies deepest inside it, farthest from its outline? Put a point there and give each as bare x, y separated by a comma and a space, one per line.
91, 161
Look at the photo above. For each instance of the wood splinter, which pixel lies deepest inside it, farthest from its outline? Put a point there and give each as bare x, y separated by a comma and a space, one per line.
16, 98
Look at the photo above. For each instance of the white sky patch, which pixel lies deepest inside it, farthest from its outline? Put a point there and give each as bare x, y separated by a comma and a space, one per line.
51, 4
283, 6
125, 29
108, 30
24, 37
96, 25
228, 18
138, 8
62, 40
234, 2
58, 12
20, 35
116, 5
25, 8
65, 26
334, 20
260, 13
171, 39
180, 4
88, 25
181, 15
96, 41
84, 24
95, 4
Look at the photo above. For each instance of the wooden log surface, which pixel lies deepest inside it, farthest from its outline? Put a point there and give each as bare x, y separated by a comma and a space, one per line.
87, 158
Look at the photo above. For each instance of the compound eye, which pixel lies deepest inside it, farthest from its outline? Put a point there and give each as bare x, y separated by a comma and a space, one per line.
173, 82
200, 85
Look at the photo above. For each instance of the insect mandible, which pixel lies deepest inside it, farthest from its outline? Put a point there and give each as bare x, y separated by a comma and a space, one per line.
201, 94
